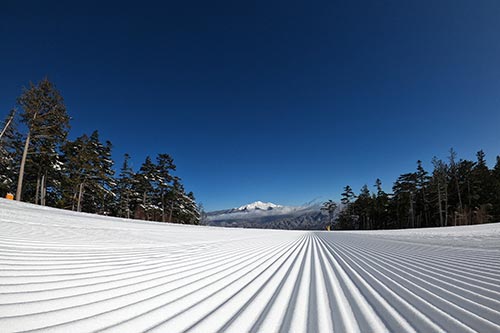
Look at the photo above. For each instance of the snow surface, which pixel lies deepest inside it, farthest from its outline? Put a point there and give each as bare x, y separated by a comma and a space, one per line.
70, 272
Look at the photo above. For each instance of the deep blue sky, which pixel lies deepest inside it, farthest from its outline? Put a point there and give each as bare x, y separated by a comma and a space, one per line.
281, 101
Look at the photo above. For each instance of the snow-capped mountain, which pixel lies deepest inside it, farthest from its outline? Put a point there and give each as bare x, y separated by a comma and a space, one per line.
269, 215
258, 205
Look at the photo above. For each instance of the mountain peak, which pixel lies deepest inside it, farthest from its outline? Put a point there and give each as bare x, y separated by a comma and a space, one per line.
258, 205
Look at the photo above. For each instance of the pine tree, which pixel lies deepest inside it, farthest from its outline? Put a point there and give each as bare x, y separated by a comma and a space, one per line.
439, 186
146, 181
79, 160
345, 219
405, 189
422, 200
165, 166
89, 174
347, 196
495, 173
363, 207
469, 190
45, 115
10, 151
381, 205
125, 189
453, 170
104, 181
188, 212
483, 187
463, 192
330, 207
174, 196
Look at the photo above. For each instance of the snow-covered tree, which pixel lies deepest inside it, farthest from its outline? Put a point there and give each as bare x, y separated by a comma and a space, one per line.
165, 166
146, 185
10, 148
330, 207
89, 174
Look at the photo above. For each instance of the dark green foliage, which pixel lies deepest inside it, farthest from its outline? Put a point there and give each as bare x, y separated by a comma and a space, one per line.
422, 204
405, 193
44, 113
495, 182
160, 195
187, 210
88, 175
482, 182
456, 193
79, 174
125, 188
146, 180
165, 167
330, 207
10, 152
381, 206
346, 220
347, 196
363, 208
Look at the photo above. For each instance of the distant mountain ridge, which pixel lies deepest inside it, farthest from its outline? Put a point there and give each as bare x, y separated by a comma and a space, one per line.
268, 215
258, 205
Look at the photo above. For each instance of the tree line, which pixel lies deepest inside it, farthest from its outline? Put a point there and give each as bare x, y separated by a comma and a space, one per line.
40, 165
455, 192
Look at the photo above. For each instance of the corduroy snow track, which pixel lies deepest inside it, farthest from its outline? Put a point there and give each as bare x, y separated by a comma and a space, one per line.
62, 271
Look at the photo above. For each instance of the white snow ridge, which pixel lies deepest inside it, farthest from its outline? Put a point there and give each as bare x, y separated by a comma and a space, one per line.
68, 272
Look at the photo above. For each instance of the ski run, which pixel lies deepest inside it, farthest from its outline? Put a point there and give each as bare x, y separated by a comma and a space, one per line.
71, 272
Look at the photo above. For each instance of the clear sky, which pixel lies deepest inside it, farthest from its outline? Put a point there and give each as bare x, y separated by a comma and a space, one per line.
282, 101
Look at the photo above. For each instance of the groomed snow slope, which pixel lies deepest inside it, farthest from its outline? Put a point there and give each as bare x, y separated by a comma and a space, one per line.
67, 272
